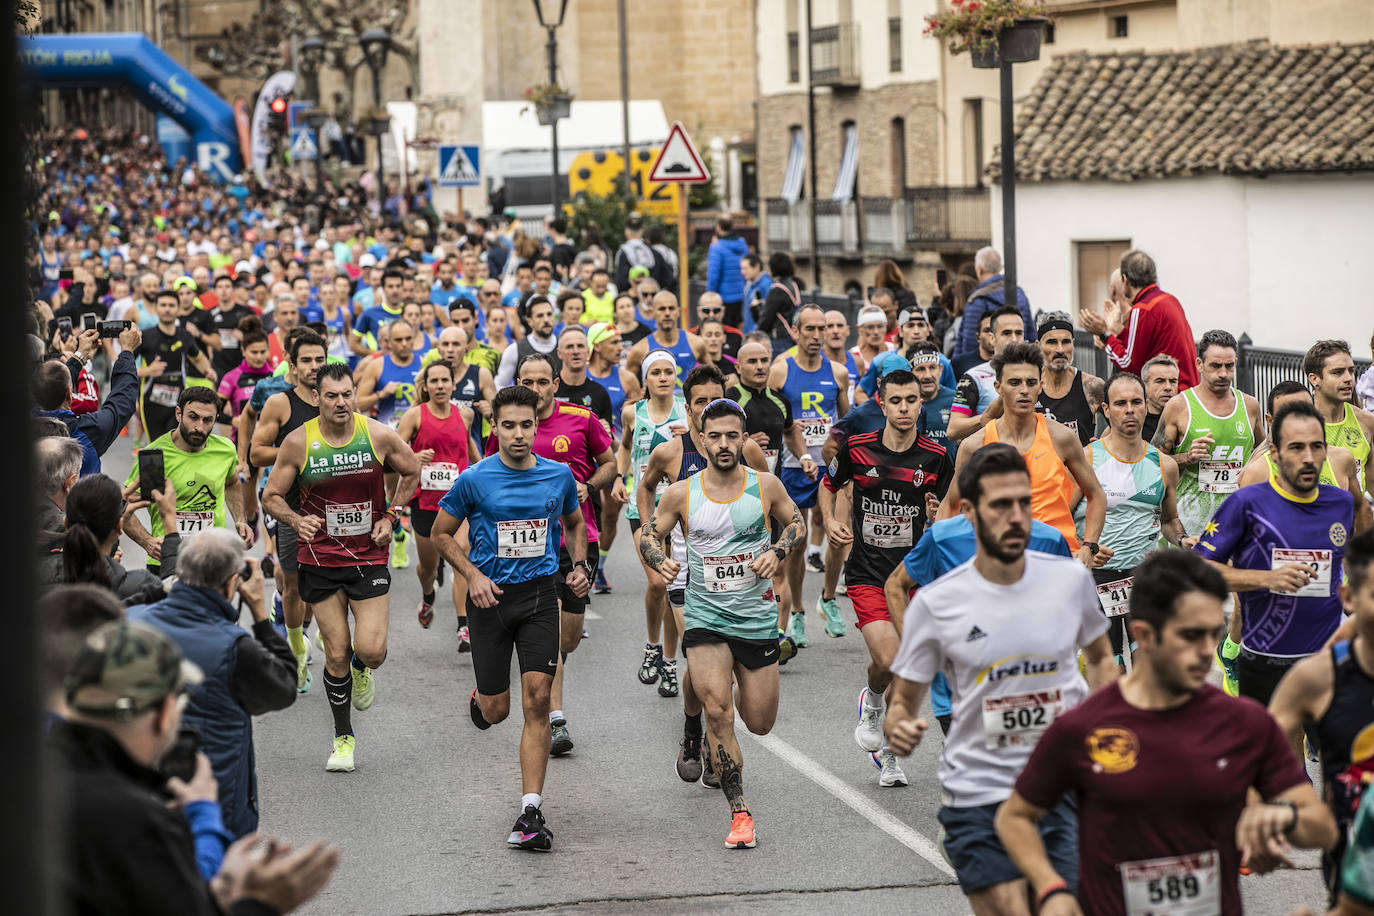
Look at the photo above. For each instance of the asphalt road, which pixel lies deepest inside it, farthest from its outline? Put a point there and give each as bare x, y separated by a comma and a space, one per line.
423, 820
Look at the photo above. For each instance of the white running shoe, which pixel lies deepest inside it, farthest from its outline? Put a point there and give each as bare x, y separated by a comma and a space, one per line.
869, 732
889, 770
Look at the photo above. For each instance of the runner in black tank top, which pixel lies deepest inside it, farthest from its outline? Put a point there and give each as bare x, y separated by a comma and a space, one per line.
1072, 409
1077, 407
301, 410
1345, 740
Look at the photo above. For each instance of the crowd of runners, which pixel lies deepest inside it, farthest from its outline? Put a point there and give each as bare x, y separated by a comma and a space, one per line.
1045, 563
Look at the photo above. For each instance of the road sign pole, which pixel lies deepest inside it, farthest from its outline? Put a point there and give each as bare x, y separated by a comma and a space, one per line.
682, 271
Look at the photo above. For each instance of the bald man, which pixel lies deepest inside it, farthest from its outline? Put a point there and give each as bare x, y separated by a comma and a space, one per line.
473, 385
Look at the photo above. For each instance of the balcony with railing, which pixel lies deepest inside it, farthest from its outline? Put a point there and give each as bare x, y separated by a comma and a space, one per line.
941, 217
835, 55
926, 219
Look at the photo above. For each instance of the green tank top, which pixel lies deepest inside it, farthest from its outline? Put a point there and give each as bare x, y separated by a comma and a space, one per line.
723, 594
646, 437
1349, 434
1203, 486
1326, 475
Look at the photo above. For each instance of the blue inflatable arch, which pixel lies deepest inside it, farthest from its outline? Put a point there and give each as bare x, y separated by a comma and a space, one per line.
132, 60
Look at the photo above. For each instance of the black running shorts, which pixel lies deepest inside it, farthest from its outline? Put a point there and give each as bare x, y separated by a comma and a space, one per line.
358, 583
287, 546
751, 653
422, 520
525, 621
570, 603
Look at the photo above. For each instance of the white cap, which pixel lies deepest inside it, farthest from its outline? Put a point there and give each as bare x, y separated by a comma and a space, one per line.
242, 267
367, 260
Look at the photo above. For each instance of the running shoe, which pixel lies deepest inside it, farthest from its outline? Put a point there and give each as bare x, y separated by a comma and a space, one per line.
464, 641
709, 780
786, 649
889, 770
689, 758
476, 711
667, 684
341, 758
426, 613
830, 610
869, 733
400, 555
364, 688
741, 831
439, 575
653, 659
302, 673
278, 616
815, 563
1228, 654
561, 742
599, 585
796, 629
530, 831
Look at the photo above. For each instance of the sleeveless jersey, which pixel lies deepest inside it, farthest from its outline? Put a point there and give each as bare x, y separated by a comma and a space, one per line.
853, 367
1326, 475
1051, 483
391, 408
343, 485
338, 335
1135, 493
467, 387
1072, 409
814, 397
682, 353
611, 382
1345, 739
1349, 434
1203, 486
598, 309
693, 462
449, 439
723, 594
645, 438
301, 412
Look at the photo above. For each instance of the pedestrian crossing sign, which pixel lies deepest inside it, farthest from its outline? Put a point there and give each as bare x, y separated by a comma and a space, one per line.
303, 144
459, 166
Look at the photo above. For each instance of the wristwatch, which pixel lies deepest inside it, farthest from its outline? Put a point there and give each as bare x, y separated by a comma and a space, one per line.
586, 567
1092, 546
782, 554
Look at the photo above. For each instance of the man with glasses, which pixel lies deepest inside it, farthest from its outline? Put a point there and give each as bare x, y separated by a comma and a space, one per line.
710, 306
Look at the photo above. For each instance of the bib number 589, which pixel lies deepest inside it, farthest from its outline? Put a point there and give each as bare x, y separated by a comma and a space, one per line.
1173, 888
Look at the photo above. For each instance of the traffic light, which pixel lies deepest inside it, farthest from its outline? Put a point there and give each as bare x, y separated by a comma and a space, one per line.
276, 115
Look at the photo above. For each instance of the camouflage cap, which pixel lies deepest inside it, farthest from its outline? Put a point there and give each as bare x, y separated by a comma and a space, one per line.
126, 669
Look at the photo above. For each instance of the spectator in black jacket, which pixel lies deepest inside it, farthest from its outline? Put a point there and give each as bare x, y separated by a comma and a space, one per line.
52, 392
781, 303
126, 849
248, 674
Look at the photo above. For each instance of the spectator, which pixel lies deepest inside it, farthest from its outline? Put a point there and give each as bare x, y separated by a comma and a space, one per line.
97, 511
988, 296
958, 290
782, 301
246, 675
1364, 388
638, 253
654, 236
129, 851
887, 275
57, 467
561, 253
723, 275
1153, 323
96, 431
756, 284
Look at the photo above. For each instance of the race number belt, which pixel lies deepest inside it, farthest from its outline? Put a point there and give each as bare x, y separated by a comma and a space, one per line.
164, 395
228, 341
1116, 596
1020, 719
521, 539
885, 531
194, 522
438, 475
1188, 885
1319, 561
1218, 476
815, 430
347, 519
728, 574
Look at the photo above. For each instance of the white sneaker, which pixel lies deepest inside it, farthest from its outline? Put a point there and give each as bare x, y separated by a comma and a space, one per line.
889, 770
869, 733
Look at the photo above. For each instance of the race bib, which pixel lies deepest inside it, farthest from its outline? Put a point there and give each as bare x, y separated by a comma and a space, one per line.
1116, 596
1188, 885
639, 477
521, 539
1019, 719
729, 574
164, 395
1319, 561
1218, 476
228, 341
815, 430
194, 522
770, 457
438, 475
885, 531
347, 519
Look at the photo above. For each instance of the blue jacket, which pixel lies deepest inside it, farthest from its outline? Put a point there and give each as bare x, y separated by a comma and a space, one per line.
722, 267
988, 297
97, 431
756, 290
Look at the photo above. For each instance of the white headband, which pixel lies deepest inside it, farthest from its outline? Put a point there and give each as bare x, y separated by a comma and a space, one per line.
654, 357
874, 317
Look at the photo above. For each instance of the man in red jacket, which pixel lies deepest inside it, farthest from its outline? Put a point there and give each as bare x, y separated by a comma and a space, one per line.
1154, 323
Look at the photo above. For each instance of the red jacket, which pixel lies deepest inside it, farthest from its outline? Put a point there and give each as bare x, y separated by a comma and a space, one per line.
1156, 325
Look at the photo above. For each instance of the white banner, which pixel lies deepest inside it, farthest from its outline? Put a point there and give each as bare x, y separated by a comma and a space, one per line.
280, 83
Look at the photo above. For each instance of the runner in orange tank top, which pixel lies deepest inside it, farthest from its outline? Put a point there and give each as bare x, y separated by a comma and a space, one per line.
1054, 457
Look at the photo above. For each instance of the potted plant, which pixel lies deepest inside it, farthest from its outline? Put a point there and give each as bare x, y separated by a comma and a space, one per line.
991, 30
549, 101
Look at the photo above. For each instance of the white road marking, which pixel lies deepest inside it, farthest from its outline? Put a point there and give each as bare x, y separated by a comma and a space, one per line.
593, 615
898, 830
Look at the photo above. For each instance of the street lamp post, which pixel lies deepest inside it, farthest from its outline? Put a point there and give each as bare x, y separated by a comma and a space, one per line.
551, 22
311, 59
376, 43
314, 119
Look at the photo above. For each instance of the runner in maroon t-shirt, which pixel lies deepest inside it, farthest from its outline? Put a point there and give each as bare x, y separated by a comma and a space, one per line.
1160, 763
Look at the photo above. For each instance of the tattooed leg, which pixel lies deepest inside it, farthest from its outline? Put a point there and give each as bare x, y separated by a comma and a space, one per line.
731, 770
712, 667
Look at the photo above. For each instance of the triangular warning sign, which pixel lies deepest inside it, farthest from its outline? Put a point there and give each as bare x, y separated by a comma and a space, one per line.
678, 160
459, 168
303, 147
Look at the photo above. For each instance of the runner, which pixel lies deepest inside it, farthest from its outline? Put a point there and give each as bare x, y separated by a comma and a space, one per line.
1067, 394
1052, 453
623, 387
538, 313
653, 421
363, 340
872, 324
687, 348
164, 355
518, 507
1284, 540
816, 389
236, 385
205, 468
386, 385
282, 414
1005, 628
439, 431
1330, 697
728, 615
1331, 373
1160, 765
343, 526
975, 396
1160, 375
573, 384
898, 478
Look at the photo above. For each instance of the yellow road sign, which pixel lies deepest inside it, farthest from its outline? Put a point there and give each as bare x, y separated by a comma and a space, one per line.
595, 172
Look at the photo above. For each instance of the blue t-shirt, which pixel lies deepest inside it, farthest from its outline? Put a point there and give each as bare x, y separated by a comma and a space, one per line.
273, 384
1261, 527
935, 415
951, 542
442, 297
372, 321
489, 494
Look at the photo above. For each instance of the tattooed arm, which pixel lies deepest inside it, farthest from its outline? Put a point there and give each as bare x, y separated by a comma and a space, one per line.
780, 507
665, 518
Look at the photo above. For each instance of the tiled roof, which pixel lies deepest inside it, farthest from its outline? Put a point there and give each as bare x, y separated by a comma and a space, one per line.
1245, 108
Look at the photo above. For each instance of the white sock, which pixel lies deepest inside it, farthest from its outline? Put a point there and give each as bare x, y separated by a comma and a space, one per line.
556, 715
530, 798
873, 699
813, 550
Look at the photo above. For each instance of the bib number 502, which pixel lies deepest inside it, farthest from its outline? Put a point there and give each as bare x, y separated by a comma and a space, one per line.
1026, 717
1173, 888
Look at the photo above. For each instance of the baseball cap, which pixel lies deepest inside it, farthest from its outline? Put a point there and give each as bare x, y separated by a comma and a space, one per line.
126, 669
883, 364
912, 314
600, 333
183, 281
634, 221
243, 267
368, 260
639, 270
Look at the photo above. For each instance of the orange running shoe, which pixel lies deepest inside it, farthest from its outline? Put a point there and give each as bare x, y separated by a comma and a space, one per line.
741, 831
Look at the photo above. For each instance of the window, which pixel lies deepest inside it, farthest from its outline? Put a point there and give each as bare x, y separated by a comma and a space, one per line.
1096, 261
793, 57
894, 45
898, 157
1049, 34
973, 142
1116, 27
846, 180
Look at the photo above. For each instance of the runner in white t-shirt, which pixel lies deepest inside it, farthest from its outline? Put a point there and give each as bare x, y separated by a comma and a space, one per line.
1005, 628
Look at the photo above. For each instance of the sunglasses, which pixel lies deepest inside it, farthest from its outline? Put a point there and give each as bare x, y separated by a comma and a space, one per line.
719, 311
